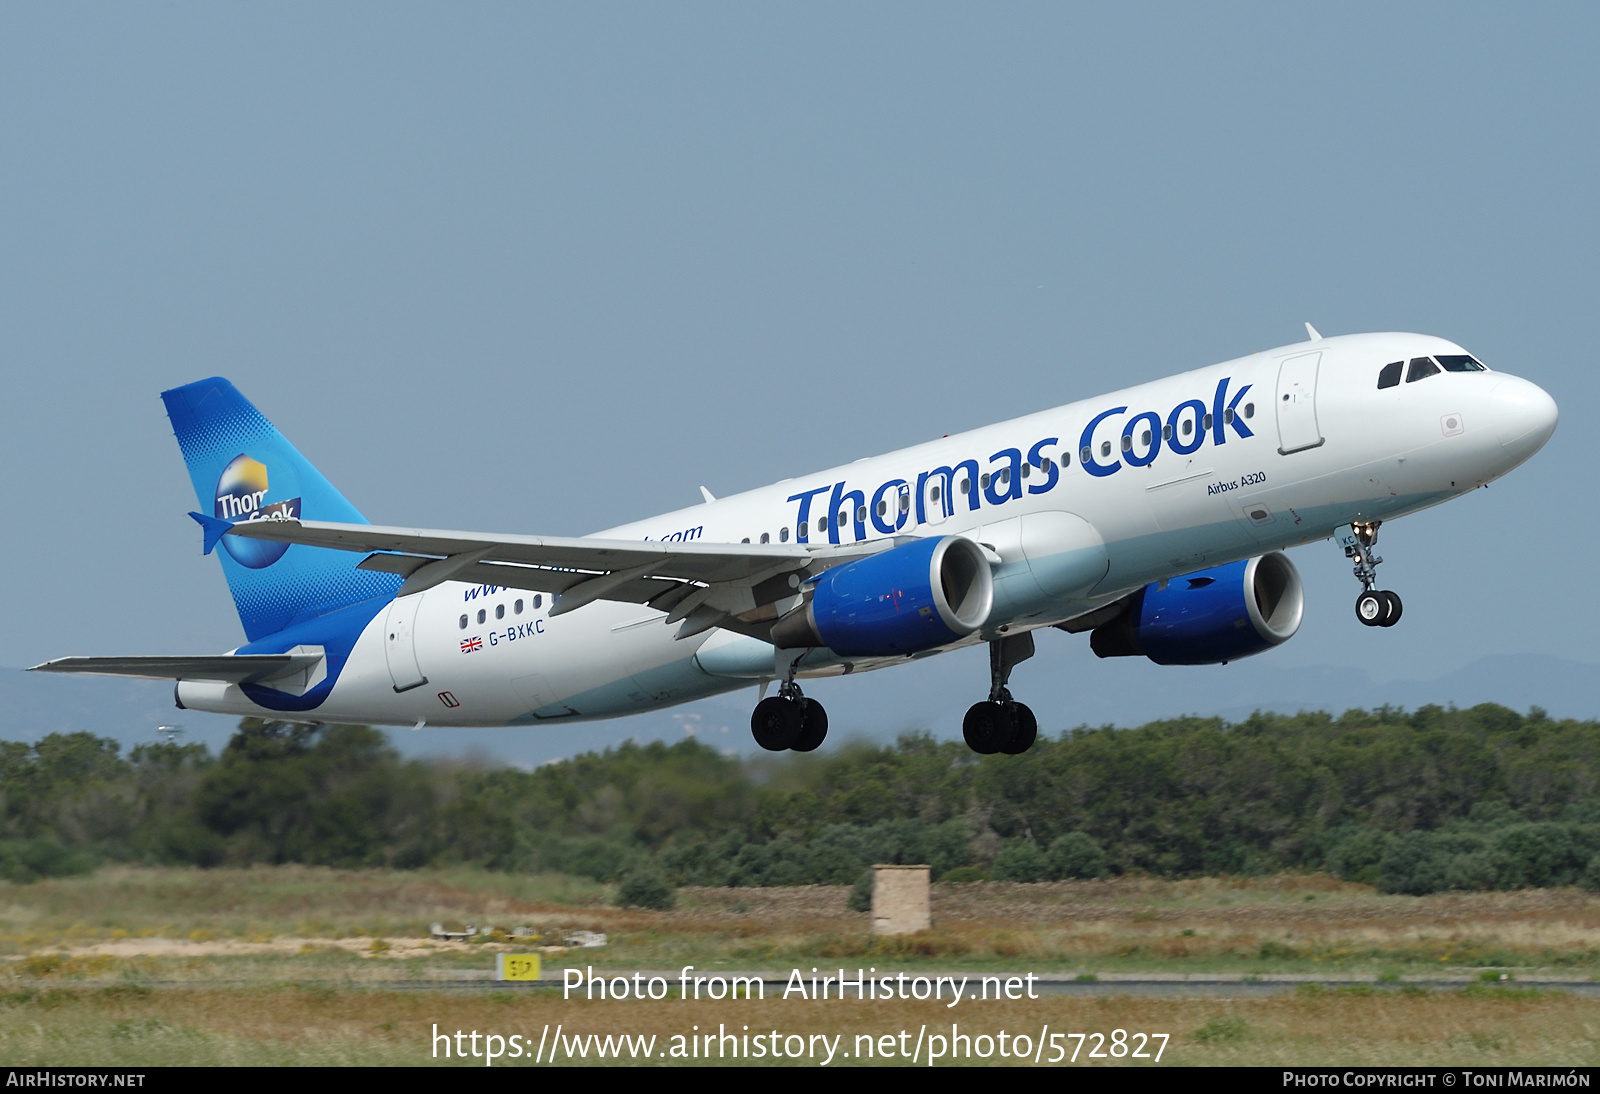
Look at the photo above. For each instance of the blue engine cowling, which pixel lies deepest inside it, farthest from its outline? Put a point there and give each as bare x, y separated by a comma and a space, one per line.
914, 597
1209, 617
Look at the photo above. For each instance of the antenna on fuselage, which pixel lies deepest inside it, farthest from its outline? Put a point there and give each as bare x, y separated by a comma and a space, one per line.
704, 493
1315, 337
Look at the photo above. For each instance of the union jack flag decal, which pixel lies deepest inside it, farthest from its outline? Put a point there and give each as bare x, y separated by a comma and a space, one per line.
471, 645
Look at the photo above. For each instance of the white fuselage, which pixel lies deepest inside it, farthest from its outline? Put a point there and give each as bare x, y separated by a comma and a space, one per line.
1308, 444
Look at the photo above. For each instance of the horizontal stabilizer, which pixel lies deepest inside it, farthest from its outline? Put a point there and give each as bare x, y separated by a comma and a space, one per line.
226, 668
214, 527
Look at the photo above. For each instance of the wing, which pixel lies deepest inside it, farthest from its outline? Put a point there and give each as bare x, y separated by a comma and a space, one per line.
741, 586
229, 668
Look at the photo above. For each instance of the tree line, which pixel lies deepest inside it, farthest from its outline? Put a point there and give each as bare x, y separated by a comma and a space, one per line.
1416, 802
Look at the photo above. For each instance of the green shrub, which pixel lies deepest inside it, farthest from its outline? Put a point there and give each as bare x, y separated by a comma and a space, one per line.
1019, 860
861, 892
1076, 855
644, 887
1356, 856
25, 860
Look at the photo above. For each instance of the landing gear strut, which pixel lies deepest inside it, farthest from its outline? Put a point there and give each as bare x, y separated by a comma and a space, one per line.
788, 720
1002, 724
1374, 607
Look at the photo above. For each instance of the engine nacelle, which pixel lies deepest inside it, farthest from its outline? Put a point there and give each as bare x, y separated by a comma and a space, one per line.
1209, 617
911, 598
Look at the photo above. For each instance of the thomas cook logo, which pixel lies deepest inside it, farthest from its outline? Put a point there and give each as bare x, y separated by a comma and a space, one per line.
242, 495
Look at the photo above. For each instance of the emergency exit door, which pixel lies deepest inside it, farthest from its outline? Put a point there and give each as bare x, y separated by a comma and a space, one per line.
400, 646
1297, 404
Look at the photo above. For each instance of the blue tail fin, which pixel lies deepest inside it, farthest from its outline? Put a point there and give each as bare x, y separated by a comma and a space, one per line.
244, 469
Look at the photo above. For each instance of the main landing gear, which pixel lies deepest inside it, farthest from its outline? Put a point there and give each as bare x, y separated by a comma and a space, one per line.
1374, 607
788, 721
1002, 724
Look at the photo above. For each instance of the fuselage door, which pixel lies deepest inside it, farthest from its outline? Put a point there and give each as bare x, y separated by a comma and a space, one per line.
399, 643
1297, 404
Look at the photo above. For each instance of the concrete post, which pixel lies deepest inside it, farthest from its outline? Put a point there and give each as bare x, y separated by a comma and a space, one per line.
900, 900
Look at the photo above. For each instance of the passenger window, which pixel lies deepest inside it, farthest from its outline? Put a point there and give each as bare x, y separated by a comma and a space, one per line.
1421, 368
935, 494
482, 615
1389, 375
765, 538
538, 599
1066, 459
983, 480
1249, 410
861, 514
905, 501
463, 622
499, 611
1205, 423
1105, 449
1166, 432
965, 486
883, 508
822, 525
746, 539
1085, 455
1005, 476
517, 607
1025, 469
1460, 362
783, 534
1188, 427
804, 529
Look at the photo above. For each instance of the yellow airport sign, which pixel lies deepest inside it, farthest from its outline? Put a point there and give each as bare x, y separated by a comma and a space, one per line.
516, 966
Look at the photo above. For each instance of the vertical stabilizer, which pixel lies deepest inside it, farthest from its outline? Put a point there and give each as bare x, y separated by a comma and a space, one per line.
244, 469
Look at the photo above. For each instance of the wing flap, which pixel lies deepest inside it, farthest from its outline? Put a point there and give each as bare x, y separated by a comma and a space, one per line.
227, 668
578, 571
707, 562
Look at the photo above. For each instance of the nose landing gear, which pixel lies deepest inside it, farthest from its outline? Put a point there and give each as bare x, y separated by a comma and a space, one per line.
1002, 724
1374, 607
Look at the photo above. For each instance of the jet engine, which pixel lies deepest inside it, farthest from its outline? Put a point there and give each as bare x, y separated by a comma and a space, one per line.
1209, 617
913, 597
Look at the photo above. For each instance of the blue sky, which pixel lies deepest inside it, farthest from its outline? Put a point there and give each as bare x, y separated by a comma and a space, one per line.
547, 269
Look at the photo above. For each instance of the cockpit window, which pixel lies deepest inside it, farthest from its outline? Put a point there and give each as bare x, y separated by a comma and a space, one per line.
1460, 362
1389, 375
1421, 368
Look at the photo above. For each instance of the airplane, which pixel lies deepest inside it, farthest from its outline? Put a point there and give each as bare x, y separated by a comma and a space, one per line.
1154, 518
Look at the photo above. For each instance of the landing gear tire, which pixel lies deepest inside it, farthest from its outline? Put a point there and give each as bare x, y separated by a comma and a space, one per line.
1007, 727
1372, 608
1024, 730
986, 727
1392, 607
814, 727
778, 723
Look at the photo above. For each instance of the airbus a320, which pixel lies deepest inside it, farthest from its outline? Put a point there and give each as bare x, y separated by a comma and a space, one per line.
1154, 519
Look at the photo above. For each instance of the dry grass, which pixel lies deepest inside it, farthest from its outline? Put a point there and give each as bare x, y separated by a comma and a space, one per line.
265, 903
1304, 924
131, 1027
231, 946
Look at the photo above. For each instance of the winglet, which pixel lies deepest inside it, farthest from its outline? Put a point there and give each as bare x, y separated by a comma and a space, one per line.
1315, 337
215, 528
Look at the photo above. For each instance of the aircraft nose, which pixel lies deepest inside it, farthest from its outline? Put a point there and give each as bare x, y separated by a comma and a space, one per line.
1525, 416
